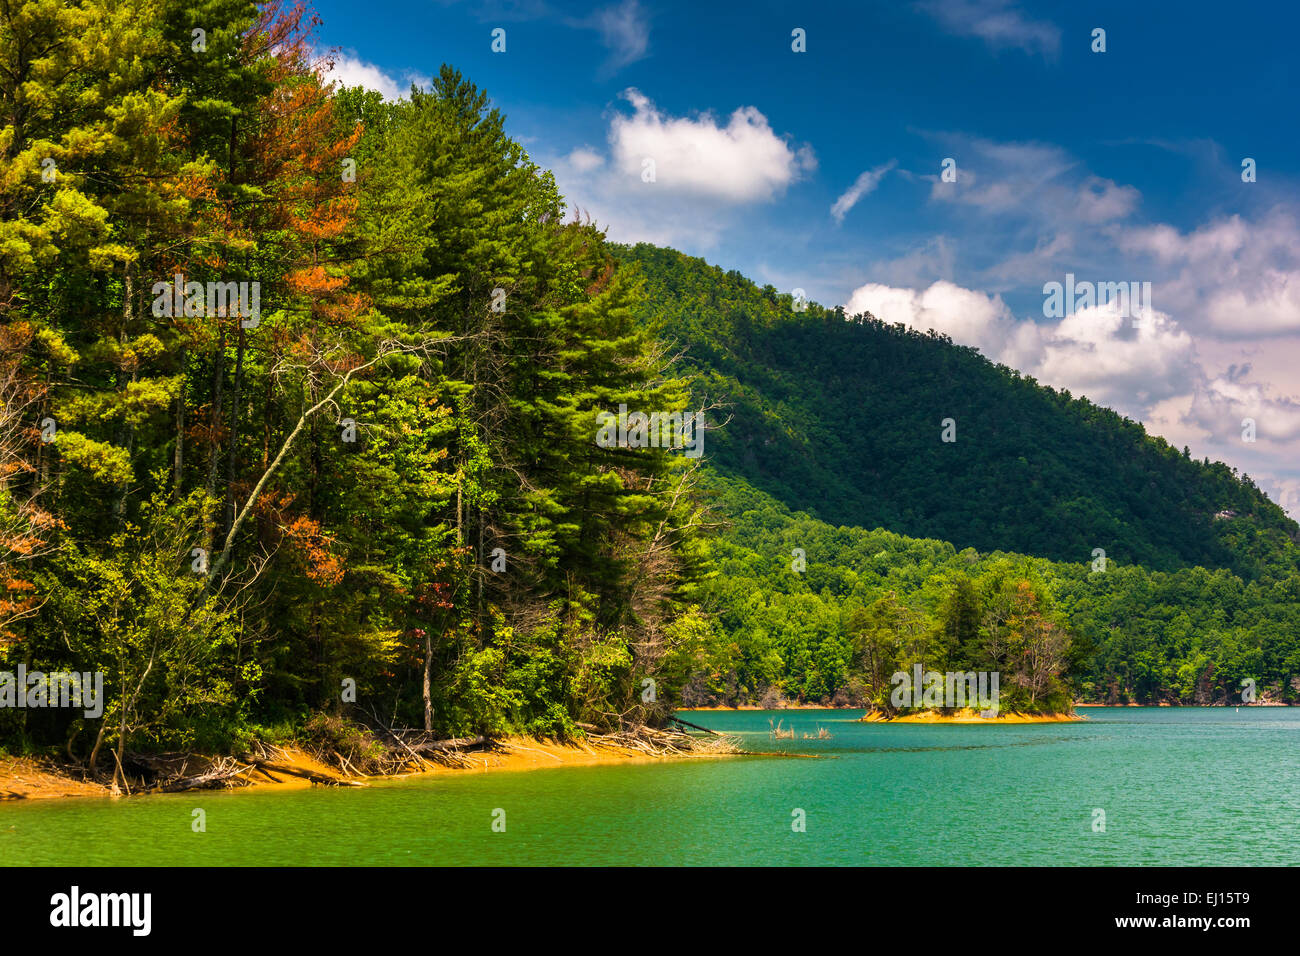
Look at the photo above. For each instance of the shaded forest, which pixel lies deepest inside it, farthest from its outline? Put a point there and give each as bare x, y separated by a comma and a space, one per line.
373, 491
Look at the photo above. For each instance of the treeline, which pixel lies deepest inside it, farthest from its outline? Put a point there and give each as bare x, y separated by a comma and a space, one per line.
868, 603
843, 419
368, 486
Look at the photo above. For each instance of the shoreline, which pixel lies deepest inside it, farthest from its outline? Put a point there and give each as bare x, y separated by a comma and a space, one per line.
729, 707
968, 716
27, 778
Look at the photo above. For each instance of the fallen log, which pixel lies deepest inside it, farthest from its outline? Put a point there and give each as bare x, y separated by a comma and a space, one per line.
687, 723
225, 773
314, 777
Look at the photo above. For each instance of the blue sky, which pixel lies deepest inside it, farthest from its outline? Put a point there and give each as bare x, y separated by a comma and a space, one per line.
820, 170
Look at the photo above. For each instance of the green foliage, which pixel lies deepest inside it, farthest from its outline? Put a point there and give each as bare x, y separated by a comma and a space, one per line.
839, 416
1184, 636
303, 518
383, 502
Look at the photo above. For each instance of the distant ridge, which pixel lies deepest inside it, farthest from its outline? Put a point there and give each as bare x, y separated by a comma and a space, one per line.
842, 419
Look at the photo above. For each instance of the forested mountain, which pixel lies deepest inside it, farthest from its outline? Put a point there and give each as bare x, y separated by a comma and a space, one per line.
869, 601
843, 420
855, 541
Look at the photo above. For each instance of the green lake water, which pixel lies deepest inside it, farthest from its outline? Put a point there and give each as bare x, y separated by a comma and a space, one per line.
1178, 786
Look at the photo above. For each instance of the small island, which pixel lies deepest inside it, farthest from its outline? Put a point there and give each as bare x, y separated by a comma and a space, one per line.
996, 658
971, 697
967, 715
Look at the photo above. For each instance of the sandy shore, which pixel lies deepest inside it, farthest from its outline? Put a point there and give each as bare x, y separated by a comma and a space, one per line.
756, 707
964, 716
22, 778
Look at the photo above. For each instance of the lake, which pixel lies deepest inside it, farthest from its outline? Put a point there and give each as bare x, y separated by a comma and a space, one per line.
1177, 785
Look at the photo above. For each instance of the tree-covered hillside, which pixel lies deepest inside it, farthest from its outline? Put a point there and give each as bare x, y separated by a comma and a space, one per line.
367, 486
867, 602
843, 420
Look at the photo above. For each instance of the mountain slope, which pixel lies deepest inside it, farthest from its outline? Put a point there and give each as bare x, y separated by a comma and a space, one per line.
843, 420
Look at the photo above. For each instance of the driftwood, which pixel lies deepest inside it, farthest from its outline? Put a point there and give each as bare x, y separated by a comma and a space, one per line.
320, 778
171, 773
655, 742
223, 774
381, 749
687, 723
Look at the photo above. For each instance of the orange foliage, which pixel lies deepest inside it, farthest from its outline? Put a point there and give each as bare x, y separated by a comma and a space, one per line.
305, 538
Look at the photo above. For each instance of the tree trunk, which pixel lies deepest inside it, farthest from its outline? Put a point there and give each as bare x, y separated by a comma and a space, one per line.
229, 508
428, 670
178, 457
218, 381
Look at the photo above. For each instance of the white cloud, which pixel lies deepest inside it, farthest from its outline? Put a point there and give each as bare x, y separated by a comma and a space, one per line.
710, 177
624, 31
1034, 181
864, 185
998, 22
1101, 200
1094, 351
743, 161
584, 159
1222, 346
1232, 277
1222, 403
968, 317
348, 70
1097, 352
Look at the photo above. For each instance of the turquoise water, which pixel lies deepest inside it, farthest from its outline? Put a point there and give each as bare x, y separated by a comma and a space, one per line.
1178, 786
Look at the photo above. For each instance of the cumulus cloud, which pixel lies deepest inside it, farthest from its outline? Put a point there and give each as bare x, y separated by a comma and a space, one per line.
1233, 277
1222, 403
968, 317
347, 70
743, 161
864, 185
1095, 351
999, 23
1227, 293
